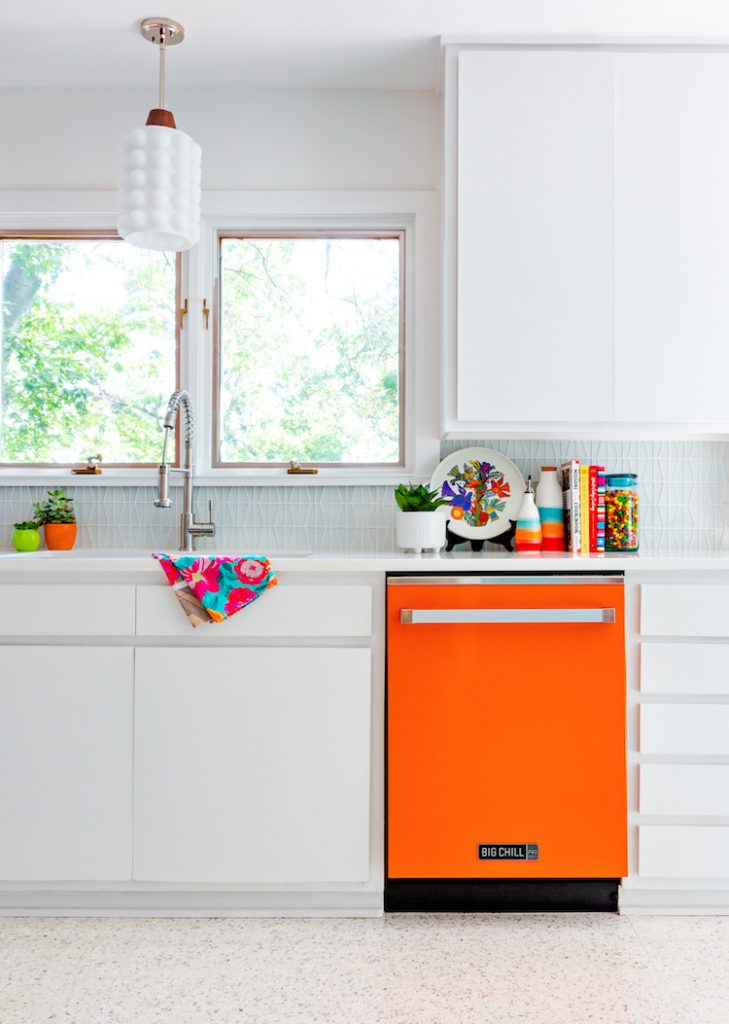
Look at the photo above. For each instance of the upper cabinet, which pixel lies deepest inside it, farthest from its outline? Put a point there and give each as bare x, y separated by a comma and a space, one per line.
587, 240
672, 237
535, 227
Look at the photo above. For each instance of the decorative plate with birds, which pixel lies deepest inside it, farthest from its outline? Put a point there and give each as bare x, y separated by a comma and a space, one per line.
484, 490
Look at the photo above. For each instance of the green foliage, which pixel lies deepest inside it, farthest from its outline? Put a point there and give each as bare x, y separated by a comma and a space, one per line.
417, 498
310, 350
56, 508
87, 351
26, 526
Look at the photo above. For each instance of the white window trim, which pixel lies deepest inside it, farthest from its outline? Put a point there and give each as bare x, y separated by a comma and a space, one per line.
413, 212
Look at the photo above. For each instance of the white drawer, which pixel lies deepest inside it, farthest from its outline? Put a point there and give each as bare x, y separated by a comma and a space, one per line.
684, 728
66, 610
684, 789
282, 611
684, 668
689, 609
683, 851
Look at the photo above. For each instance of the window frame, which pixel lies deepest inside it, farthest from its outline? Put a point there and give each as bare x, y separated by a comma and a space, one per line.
417, 212
95, 234
317, 233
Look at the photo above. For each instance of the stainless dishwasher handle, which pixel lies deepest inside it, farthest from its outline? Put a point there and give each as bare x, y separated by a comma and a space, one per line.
471, 616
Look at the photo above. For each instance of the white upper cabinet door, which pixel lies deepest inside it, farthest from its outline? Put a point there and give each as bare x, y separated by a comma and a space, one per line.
672, 237
66, 763
252, 765
535, 236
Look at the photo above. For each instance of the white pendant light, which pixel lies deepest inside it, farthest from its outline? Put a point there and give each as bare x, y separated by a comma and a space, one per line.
159, 183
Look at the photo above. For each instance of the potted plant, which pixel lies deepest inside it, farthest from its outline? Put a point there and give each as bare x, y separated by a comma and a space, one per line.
420, 523
26, 536
58, 520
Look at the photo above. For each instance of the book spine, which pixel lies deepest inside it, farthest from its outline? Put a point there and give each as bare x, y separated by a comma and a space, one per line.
570, 473
584, 509
564, 480
593, 509
575, 499
600, 508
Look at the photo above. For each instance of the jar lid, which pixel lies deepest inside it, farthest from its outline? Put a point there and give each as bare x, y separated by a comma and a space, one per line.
621, 479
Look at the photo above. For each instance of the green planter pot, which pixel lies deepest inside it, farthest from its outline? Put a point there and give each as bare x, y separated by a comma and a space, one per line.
26, 540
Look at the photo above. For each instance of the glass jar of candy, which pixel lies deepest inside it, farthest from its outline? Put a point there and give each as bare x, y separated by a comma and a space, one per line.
621, 512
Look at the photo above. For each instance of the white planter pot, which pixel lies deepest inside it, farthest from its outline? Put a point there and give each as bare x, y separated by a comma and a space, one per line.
420, 531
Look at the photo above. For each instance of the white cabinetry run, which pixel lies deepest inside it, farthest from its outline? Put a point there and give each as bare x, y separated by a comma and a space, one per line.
164, 769
66, 763
252, 765
679, 742
587, 239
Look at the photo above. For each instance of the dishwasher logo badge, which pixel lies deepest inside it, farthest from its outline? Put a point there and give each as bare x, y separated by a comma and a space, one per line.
508, 851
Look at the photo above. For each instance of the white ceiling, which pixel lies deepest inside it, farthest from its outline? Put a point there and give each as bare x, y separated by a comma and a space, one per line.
309, 44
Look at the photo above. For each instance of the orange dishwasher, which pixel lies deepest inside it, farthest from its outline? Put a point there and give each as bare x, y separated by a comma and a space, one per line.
506, 773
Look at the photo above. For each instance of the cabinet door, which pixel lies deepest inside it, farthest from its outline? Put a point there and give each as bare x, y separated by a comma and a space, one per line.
672, 237
66, 763
252, 765
535, 236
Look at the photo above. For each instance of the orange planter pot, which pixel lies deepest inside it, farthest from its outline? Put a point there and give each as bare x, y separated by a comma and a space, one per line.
60, 536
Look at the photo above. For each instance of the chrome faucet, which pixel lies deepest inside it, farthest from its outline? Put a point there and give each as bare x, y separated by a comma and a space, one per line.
189, 528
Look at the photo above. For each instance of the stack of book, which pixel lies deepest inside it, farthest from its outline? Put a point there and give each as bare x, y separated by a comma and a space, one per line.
583, 496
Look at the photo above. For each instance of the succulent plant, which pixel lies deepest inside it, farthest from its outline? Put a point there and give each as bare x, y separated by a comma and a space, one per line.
55, 509
417, 498
26, 526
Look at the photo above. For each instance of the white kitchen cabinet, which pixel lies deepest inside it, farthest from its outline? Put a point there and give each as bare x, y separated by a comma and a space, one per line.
252, 765
293, 611
684, 610
683, 851
686, 729
672, 237
688, 668
535, 230
65, 763
685, 789
67, 610
587, 239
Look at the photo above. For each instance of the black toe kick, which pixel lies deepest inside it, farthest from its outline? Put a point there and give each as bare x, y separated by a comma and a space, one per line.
503, 895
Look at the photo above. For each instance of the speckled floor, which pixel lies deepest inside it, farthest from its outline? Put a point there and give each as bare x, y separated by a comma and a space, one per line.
435, 969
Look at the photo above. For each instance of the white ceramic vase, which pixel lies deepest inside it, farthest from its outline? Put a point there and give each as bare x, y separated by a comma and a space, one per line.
420, 531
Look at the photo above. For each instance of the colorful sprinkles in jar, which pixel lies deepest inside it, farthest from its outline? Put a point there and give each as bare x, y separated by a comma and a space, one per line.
621, 512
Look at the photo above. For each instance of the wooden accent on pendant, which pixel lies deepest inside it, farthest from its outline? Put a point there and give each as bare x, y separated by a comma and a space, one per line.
164, 118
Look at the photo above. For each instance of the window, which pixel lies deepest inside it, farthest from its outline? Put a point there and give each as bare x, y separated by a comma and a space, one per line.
88, 349
309, 349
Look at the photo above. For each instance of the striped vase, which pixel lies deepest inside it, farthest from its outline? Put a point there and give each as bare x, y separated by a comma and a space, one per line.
551, 512
528, 525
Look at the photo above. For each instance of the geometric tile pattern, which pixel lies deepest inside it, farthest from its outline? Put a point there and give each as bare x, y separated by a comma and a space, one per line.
684, 490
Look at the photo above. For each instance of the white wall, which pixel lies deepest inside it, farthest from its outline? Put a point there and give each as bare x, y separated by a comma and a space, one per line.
67, 138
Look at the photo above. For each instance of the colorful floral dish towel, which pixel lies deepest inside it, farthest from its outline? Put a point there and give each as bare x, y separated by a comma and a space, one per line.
212, 589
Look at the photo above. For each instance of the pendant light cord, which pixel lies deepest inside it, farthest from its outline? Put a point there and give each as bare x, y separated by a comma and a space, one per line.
162, 46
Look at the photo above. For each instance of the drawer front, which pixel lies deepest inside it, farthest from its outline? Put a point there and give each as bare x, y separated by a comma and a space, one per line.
684, 668
683, 851
700, 789
66, 610
684, 609
684, 729
282, 611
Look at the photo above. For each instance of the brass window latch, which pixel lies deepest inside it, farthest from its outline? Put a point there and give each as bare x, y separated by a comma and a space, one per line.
206, 314
183, 313
296, 469
92, 467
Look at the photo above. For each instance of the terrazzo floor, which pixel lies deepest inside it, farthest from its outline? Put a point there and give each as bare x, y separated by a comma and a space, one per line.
434, 969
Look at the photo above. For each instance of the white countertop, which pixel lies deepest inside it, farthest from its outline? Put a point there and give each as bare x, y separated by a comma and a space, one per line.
140, 561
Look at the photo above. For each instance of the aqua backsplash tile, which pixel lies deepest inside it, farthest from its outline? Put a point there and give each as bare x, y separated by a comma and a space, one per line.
684, 487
